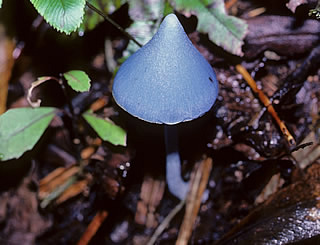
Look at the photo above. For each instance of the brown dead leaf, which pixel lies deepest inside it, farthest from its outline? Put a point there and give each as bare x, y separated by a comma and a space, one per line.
19, 209
151, 194
281, 34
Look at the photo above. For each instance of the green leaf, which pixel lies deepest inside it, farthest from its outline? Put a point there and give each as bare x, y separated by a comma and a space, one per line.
106, 129
0, 3
77, 80
64, 15
226, 31
21, 128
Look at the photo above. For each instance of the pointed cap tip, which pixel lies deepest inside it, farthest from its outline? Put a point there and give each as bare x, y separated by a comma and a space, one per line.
171, 22
171, 19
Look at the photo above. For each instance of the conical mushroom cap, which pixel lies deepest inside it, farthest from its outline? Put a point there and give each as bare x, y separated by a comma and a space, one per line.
167, 80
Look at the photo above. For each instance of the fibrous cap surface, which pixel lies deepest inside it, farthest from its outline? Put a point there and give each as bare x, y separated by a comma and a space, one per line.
167, 80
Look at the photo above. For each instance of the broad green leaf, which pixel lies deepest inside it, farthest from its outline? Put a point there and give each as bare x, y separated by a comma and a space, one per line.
64, 15
226, 31
21, 128
91, 18
0, 3
77, 80
106, 129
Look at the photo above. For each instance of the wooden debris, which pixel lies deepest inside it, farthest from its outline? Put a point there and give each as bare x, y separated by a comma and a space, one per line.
57, 191
165, 223
99, 103
54, 174
267, 103
256, 12
151, 194
87, 152
73, 190
198, 186
57, 178
230, 3
93, 227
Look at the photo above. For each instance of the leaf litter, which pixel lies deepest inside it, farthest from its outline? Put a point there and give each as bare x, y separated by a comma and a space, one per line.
248, 151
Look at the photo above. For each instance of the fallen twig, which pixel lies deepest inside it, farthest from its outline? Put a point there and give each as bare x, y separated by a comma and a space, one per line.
194, 199
267, 103
165, 223
93, 227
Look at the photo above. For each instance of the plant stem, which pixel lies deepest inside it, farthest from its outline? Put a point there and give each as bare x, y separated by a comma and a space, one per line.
66, 95
74, 119
103, 15
177, 186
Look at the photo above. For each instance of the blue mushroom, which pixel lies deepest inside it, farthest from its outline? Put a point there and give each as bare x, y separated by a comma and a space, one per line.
167, 81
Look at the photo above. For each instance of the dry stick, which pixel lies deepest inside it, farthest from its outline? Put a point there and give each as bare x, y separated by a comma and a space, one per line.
89, 5
198, 186
56, 181
73, 190
58, 191
194, 198
93, 227
49, 177
230, 3
267, 103
165, 223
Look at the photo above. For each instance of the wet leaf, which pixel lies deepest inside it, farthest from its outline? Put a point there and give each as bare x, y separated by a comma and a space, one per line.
281, 35
21, 128
291, 215
296, 223
226, 31
64, 15
106, 129
77, 80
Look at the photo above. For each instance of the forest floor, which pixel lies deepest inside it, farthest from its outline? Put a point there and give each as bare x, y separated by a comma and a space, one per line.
263, 185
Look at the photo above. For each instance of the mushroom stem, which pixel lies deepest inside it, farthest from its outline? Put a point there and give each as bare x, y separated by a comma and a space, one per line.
177, 186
